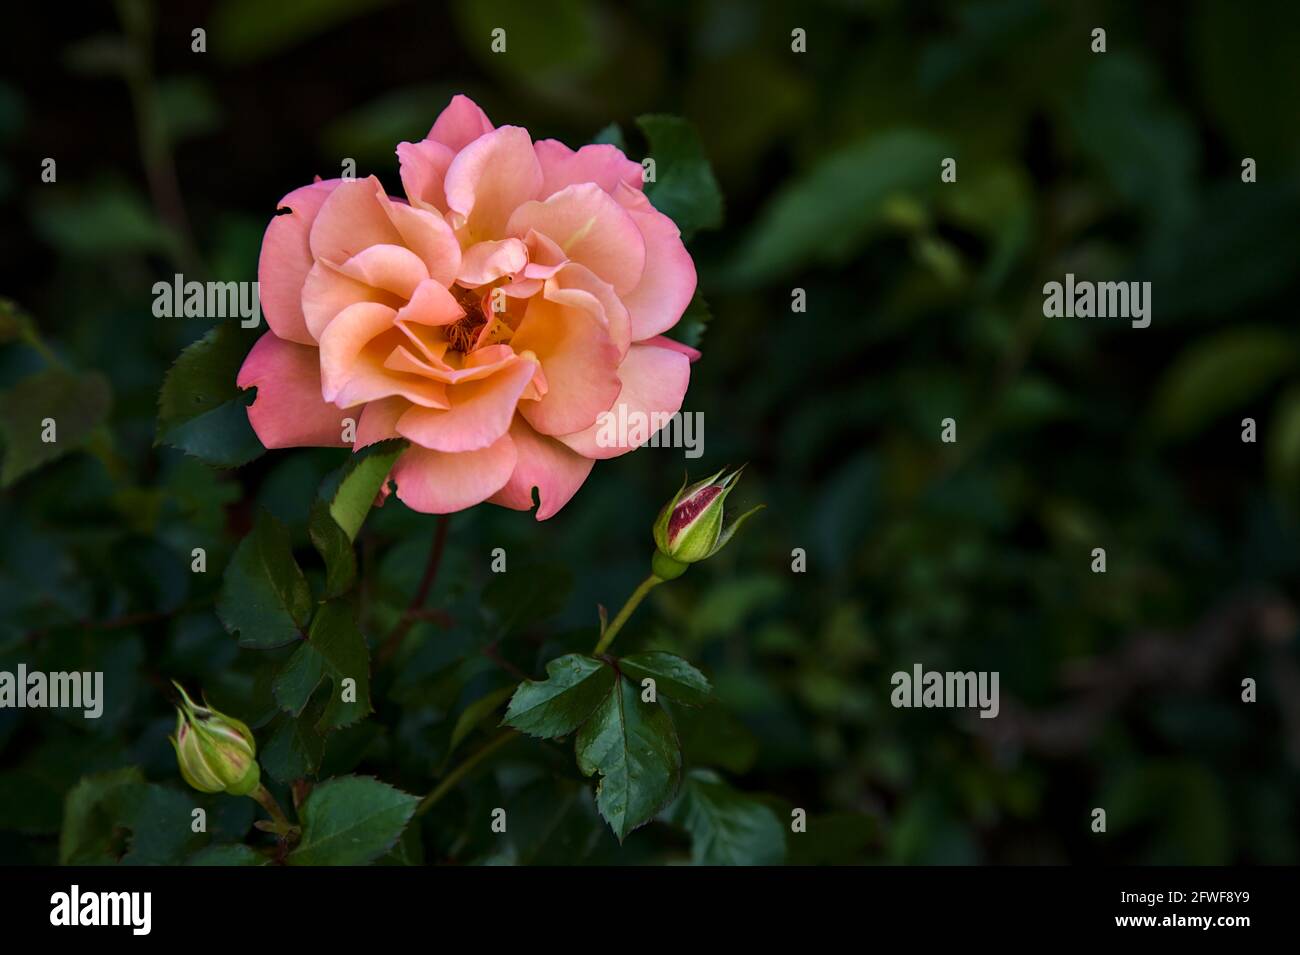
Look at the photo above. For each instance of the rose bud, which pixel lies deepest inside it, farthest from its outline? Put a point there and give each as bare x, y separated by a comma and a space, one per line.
690, 528
216, 753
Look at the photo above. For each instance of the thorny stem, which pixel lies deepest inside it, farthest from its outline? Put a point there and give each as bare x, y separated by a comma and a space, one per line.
394, 641
633, 601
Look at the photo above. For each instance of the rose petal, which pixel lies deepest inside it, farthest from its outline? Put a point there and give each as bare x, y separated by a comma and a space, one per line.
480, 412
489, 179
286, 258
545, 464
485, 262
577, 286
600, 163
460, 123
289, 411
591, 228
428, 236
424, 169
579, 361
668, 281
654, 382
437, 482
378, 421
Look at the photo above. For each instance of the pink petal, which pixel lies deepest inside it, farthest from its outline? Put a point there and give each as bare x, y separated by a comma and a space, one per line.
600, 163
345, 338
390, 268
460, 123
350, 220
424, 169
545, 464
577, 286
378, 421
591, 228
654, 382
289, 411
485, 262
431, 304
692, 354
579, 362
286, 258
428, 236
489, 179
668, 282
328, 291
480, 412
437, 482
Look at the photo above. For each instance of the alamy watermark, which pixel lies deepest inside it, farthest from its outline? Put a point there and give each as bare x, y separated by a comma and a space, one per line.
36, 690
946, 690
1084, 299
181, 299
621, 428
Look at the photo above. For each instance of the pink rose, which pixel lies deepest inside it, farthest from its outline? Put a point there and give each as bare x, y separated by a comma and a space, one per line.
520, 290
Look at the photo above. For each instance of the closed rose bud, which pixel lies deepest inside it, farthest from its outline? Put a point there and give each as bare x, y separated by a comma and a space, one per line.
690, 527
216, 753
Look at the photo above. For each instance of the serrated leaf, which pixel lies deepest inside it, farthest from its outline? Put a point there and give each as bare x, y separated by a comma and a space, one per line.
727, 827
574, 685
295, 748
264, 597
226, 855
76, 403
89, 816
684, 188
673, 676
335, 650
351, 820
201, 410
634, 748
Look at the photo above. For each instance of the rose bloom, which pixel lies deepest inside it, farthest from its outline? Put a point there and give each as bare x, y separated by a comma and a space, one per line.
519, 291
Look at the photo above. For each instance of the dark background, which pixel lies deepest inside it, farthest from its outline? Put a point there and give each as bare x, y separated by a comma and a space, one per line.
1120, 690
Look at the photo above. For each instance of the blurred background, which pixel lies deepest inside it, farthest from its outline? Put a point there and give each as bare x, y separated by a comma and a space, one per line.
1120, 690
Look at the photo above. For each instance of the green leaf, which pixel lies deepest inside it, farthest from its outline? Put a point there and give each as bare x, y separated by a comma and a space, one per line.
201, 410
574, 686
690, 329
611, 135
727, 827
351, 820
684, 188
823, 216
295, 748
335, 649
634, 748
75, 403
264, 597
1218, 374
90, 816
226, 855
673, 676
340, 508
